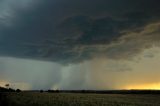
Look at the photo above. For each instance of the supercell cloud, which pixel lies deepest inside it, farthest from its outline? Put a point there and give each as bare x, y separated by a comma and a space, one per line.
66, 39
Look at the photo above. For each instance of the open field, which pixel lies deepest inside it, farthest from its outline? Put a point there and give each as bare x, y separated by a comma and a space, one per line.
71, 99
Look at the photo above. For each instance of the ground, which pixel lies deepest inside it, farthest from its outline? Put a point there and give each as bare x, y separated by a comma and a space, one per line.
71, 99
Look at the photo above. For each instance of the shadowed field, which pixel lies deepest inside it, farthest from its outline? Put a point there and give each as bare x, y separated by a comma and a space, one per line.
71, 99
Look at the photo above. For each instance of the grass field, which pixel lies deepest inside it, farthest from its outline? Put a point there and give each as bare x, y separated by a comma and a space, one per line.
70, 99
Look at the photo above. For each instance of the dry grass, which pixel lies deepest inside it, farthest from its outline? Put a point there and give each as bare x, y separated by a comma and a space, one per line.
69, 99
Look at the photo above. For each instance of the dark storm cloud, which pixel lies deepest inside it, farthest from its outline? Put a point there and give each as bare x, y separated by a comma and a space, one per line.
71, 31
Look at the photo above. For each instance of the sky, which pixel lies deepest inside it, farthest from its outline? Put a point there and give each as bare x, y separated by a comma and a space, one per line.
80, 44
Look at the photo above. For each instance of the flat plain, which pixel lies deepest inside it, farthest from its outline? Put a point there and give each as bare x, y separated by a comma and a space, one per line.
78, 99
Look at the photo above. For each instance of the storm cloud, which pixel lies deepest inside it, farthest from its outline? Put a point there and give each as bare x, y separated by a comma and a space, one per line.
53, 30
67, 33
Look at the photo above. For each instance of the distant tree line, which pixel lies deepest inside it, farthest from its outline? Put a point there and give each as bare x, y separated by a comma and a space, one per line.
53, 91
8, 89
107, 91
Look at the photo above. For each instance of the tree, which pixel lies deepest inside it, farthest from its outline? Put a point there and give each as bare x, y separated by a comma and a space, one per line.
7, 86
18, 90
41, 91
